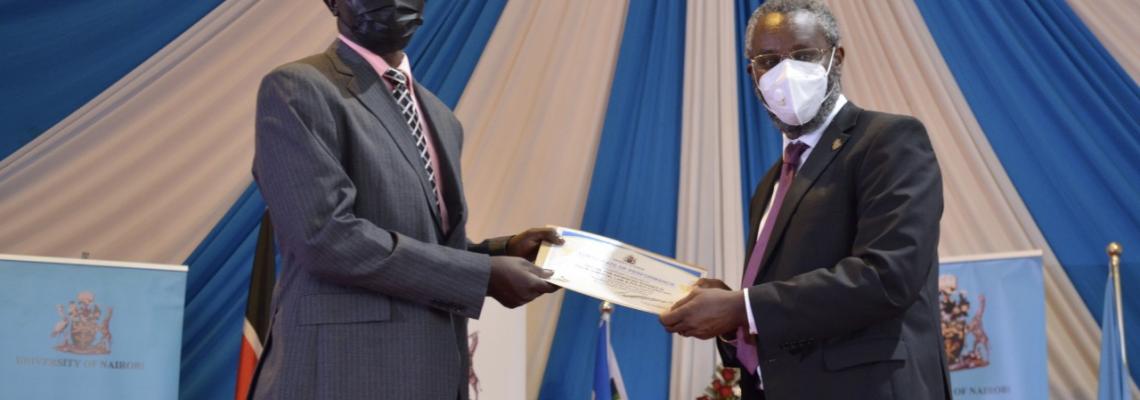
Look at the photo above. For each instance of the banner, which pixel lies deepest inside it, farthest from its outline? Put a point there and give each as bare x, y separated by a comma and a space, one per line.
72, 329
993, 326
498, 342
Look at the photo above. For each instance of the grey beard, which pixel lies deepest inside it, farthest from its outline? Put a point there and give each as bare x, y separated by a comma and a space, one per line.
795, 131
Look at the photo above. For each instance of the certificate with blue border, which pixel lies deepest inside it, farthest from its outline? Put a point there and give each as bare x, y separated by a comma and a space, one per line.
613, 271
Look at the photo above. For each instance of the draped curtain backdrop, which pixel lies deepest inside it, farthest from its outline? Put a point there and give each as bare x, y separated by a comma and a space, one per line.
709, 216
984, 214
1060, 113
632, 198
636, 119
531, 131
59, 55
150, 176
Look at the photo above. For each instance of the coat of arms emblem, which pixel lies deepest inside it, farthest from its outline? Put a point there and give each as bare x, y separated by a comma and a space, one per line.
630, 259
83, 327
966, 343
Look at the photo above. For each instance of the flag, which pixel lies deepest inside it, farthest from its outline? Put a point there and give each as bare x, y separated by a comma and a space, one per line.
608, 384
1113, 365
257, 307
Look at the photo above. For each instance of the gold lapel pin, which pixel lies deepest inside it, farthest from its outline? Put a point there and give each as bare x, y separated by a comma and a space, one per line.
835, 145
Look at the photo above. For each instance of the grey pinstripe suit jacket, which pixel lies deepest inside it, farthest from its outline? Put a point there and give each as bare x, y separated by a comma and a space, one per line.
373, 297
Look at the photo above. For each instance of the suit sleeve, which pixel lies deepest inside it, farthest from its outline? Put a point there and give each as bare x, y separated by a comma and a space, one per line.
899, 202
311, 200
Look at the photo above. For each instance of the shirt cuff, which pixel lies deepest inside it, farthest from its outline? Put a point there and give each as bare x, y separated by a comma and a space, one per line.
751, 320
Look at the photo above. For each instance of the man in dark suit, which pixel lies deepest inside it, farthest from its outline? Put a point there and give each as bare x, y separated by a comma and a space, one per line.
841, 283
360, 168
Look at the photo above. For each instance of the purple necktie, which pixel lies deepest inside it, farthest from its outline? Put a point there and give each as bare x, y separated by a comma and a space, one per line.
746, 351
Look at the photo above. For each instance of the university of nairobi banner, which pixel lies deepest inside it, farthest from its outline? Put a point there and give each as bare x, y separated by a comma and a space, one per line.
80, 329
993, 326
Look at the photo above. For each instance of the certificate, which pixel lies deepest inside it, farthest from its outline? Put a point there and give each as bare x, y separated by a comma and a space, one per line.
612, 271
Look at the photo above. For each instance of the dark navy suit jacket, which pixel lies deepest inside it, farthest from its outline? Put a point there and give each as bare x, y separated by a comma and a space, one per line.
846, 302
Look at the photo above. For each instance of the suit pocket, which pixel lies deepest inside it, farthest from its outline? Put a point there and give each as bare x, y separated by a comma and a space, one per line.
860, 351
343, 308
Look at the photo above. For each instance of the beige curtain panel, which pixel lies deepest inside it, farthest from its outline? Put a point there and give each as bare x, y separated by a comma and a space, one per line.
532, 115
1114, 24
130, 198
710, 218
894, 65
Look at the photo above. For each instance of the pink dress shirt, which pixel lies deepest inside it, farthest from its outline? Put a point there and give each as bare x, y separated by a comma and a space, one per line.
405, 67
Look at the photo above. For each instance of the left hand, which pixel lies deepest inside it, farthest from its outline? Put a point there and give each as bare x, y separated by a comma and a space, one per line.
526, 244
706, 313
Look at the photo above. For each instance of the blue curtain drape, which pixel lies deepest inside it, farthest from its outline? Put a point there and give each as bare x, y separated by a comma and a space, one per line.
760, 141
444, 53
1062, 116
216, 290
632, 198
58, 55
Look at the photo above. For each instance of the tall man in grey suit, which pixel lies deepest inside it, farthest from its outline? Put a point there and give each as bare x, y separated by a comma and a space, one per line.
840, 288
360, 169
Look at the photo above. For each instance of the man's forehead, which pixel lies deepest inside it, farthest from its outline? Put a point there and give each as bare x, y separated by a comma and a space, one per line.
783, 31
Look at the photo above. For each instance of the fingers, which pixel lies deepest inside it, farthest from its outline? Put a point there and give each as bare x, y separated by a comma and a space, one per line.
709, 283
550, 235
539, 271
671, 318
676, 321
685, 300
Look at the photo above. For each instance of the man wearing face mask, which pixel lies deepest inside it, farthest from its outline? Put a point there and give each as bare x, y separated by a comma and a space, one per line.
360, 168
840, 287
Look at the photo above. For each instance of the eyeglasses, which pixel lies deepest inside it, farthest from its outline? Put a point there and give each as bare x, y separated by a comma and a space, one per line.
764, 62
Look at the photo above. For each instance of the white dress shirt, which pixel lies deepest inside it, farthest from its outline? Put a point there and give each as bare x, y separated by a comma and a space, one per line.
811, 139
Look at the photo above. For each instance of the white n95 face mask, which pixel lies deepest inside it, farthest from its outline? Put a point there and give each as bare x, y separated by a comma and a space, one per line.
794, 90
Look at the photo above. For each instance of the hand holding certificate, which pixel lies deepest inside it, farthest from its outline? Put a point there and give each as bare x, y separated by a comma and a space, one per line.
610, 270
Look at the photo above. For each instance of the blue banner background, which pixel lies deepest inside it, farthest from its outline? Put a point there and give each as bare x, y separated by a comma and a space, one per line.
146, 327
1014, 321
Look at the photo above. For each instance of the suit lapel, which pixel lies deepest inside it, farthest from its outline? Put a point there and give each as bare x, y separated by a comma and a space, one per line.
820, 158
447, 142
366, 86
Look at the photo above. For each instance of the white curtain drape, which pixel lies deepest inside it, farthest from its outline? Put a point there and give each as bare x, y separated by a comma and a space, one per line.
532, 114
894, 65
146, 169
1114, 23
709, 214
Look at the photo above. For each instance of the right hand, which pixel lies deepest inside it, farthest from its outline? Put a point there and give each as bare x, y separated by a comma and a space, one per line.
515, 281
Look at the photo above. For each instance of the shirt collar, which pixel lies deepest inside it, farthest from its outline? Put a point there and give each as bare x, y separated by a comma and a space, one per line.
812, 138
378, 62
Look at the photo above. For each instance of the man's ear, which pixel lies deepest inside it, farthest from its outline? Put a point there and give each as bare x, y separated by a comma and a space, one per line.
331, 4
839, 55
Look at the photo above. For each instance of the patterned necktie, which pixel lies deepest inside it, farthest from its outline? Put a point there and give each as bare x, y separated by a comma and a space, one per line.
412, 116
745, 351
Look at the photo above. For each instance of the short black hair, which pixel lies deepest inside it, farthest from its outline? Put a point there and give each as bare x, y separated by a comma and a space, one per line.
816, 8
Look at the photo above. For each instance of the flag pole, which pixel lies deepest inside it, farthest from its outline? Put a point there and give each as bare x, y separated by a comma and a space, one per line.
1114, 250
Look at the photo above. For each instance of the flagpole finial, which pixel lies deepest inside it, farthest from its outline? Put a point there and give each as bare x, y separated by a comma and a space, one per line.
607, 307
1114, 249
